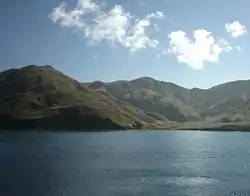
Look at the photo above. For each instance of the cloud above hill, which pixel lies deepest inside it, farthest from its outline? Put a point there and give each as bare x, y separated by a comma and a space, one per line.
114, 26
195, 52
236, 29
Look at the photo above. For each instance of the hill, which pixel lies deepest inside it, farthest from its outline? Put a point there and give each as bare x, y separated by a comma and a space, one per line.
154, 96
225, 103
40, 97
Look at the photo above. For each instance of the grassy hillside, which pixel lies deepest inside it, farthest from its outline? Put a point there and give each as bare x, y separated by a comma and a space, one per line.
152, 96
225, 103
40, 96
39, 91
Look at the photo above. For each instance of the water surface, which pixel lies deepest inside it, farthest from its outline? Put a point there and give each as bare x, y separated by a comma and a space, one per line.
125, 163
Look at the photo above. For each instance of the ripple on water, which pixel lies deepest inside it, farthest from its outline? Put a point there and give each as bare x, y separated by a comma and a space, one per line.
191, 181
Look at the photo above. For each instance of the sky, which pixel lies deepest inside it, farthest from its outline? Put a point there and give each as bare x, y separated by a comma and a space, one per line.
194, 43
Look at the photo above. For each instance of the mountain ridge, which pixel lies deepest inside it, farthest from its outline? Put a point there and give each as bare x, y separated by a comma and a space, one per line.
126, 80
38, 92
213, 101
41, 96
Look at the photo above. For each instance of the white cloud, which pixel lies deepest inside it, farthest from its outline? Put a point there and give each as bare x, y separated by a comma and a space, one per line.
87, 5
116, 26
235, 29
157, 15
73, 18
110, 26
194, 53
119, 27
225, 45
66, 19
139, 39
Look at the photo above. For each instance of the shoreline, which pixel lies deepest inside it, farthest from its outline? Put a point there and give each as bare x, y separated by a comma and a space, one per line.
118, 130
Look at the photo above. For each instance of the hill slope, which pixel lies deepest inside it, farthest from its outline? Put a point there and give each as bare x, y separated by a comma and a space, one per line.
154, 96
180, 104
40, 96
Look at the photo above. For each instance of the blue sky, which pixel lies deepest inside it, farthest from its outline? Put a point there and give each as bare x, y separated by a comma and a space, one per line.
191, 43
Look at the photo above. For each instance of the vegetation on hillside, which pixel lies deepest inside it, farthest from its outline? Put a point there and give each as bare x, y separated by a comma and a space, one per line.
40, 96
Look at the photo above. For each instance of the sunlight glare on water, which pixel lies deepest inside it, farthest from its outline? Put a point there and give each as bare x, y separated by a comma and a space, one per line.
125, 163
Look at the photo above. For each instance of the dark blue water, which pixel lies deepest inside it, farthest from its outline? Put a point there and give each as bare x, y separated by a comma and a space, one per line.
124, 164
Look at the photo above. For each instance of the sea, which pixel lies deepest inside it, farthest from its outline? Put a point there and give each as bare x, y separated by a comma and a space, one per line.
149, 163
